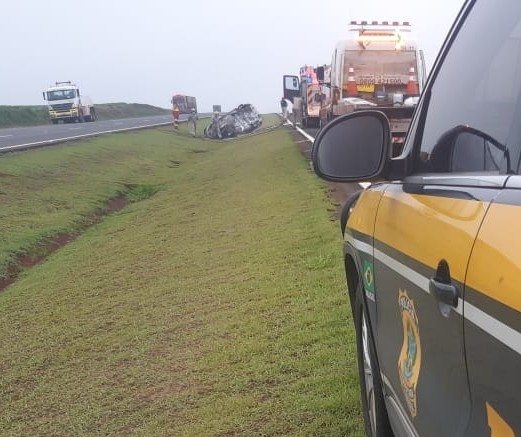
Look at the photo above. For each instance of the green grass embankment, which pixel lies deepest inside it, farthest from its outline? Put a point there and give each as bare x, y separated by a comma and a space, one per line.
214, 307
109, 111
13, 116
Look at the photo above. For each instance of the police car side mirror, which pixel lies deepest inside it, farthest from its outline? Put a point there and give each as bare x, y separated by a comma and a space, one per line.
353, 147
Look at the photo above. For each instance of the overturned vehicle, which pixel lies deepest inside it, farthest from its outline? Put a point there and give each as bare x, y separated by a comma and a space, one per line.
241, 120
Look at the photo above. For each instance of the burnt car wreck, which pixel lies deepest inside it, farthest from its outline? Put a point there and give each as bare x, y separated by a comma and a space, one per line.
241, 120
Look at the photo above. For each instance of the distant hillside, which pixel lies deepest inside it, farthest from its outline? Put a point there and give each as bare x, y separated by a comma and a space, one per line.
11, 116
110, 111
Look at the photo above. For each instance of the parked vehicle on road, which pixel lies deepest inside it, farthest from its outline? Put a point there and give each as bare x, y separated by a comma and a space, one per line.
65, 103
431, 251
184, 103
381, 66
310, 87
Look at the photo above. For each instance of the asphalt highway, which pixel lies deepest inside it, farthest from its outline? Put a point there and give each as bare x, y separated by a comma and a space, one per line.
19, 138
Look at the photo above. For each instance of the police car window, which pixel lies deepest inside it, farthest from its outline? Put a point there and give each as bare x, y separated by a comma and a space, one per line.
479, 88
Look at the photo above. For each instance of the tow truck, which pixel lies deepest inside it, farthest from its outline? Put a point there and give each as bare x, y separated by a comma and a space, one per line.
310, 88
379, 67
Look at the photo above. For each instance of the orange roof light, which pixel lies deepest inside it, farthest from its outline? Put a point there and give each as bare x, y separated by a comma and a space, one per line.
380, 23
383, 31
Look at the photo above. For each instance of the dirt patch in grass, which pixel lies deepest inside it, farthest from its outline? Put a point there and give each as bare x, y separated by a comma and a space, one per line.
43, 249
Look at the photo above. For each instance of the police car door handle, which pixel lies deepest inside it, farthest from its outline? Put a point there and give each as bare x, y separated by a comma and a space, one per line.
445, 293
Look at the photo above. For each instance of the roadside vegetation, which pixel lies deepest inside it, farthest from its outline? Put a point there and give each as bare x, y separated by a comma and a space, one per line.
15, 116
212, 304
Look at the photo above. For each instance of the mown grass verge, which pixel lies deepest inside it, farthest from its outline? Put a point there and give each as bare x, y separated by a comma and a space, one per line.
213, 306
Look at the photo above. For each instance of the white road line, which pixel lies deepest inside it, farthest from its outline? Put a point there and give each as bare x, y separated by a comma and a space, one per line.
5, 136
501, 332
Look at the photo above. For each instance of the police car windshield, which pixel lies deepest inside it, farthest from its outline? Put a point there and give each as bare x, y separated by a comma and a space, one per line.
479, 85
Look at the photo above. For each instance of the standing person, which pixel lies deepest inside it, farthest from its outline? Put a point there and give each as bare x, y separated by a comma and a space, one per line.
297, 111
215, 122
192, 118
175, 114
284, 108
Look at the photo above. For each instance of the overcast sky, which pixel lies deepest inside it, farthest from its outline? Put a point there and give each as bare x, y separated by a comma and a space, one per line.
223, 52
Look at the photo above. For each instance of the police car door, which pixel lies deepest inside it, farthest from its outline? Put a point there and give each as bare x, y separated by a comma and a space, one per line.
492, 318
424, 235
427, 224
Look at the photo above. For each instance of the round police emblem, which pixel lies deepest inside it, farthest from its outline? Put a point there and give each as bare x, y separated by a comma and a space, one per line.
409, 362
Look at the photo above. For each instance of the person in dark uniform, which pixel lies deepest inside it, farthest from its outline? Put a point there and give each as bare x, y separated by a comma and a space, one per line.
284, 108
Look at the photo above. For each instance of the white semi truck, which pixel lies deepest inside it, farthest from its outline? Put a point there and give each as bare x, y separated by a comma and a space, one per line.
65, 103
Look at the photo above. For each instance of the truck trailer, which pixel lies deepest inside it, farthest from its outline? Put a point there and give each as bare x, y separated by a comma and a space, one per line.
65, 103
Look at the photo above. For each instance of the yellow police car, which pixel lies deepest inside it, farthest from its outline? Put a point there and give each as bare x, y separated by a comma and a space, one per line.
432, 247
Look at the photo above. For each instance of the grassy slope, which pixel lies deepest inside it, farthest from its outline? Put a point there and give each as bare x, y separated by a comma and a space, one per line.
11, 116
216, 307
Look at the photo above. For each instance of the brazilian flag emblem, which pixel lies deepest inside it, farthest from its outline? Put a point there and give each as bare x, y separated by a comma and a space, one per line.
368, 276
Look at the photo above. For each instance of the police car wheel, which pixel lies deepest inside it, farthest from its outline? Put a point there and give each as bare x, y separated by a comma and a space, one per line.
375, 413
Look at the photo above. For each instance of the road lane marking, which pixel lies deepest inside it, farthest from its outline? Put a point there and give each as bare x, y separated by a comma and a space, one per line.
76, 137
